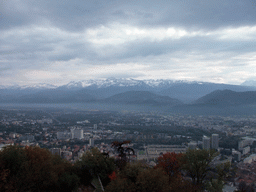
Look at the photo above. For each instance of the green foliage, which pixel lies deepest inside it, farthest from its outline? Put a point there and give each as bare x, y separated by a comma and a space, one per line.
197, 163
97, 164
152, 180
132, 170
121, 185
68, 182
214, 185
139, 177
217, 184
223, 170
83, 172
34, 169
11, 158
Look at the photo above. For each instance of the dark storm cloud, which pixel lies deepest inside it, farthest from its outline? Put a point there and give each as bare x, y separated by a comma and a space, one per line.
78, 15
213, 14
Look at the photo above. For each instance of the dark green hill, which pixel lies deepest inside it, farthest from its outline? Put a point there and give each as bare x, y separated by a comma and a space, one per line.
228, 98
142, 97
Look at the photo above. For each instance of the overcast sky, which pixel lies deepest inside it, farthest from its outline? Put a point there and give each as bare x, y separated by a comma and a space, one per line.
53, 41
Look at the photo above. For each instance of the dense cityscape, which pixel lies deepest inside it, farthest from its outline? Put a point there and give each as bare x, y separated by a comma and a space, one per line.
70, 134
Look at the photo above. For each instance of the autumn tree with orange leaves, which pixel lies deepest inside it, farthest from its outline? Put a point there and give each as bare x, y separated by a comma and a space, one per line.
171, 164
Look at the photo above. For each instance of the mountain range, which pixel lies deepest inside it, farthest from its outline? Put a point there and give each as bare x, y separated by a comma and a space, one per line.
166, 93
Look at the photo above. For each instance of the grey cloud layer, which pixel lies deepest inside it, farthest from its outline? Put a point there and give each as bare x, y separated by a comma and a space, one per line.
49, 47
78, 15
68, 40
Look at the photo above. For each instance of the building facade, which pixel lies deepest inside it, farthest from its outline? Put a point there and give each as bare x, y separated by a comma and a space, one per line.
206, 143
215, 141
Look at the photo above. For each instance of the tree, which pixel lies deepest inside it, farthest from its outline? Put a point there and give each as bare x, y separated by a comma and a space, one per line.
122, 150
171, 164
83, 172
196, 163
139, 177
4, 185
68, 182
97, 164
242, 187
121, 185
153, 180
33, 169
11, 161
123, 153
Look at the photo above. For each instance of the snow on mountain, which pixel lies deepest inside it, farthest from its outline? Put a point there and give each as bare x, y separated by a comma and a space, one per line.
250, 83
73, 84
159, 82
39, 86
33, 86
10, 87
123, 82
104, 83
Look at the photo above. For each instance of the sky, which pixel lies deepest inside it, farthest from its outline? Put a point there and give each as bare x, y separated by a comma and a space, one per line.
55, 42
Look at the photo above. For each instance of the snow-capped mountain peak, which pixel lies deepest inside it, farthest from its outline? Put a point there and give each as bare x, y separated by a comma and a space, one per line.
104, 83
122, 82
30, 86
250, 83
39, 86
101, 83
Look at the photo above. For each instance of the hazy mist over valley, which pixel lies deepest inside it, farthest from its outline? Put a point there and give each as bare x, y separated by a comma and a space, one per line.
137, 95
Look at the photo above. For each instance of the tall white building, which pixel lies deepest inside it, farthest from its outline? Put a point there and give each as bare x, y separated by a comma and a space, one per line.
91, 142
215, 141
244, 143
246, 150
78, 133
95, 126
206, 143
